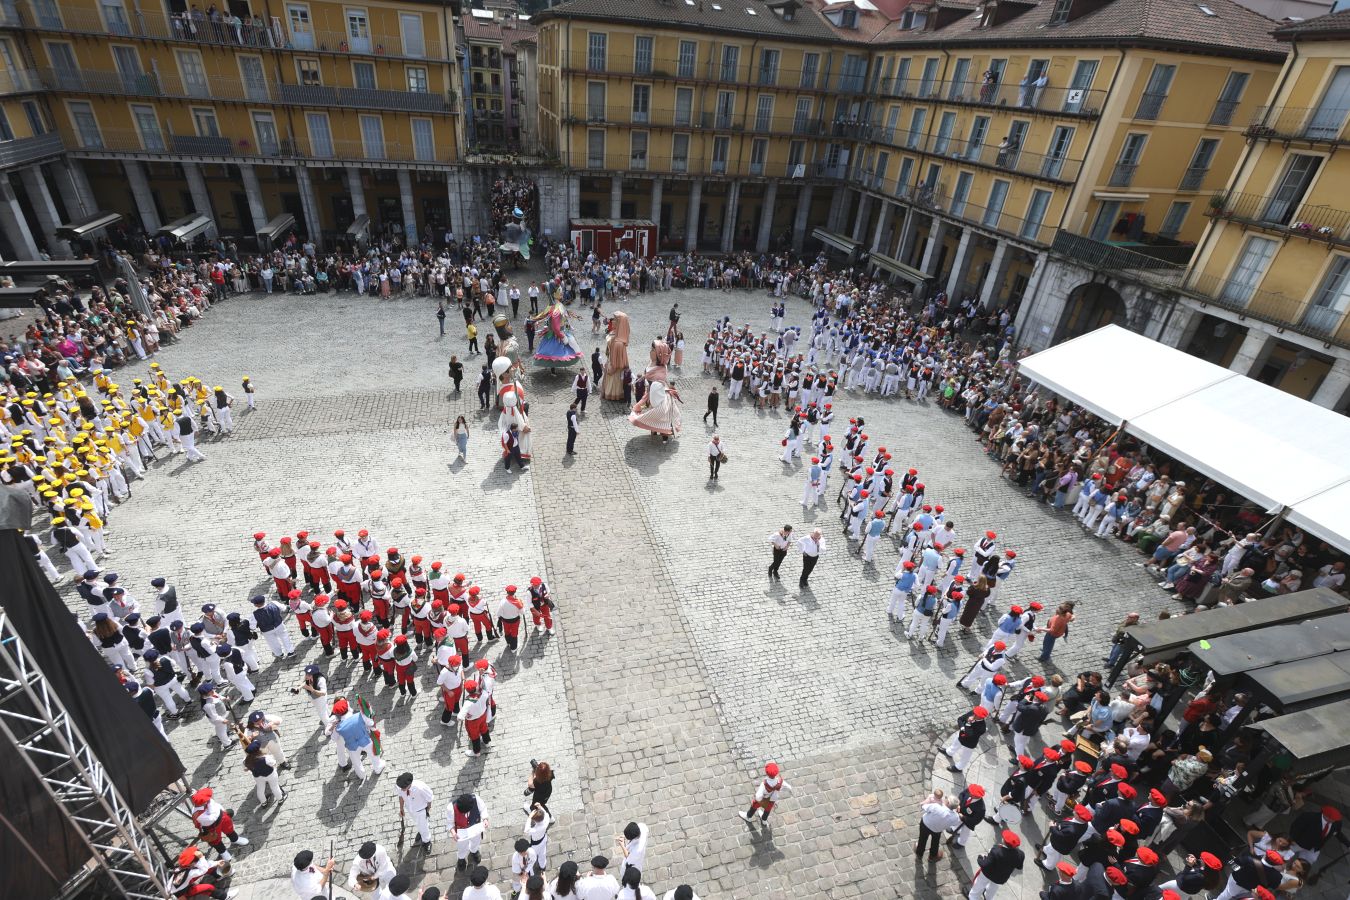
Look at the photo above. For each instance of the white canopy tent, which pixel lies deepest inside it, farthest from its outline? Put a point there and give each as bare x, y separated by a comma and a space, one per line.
1273, 448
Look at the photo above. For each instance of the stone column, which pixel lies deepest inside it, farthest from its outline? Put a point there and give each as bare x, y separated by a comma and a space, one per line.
860, 219
201, 197
932, 251
1332, 390
14, 225
140, 192
658, 190
616, 197
411, 234
694, 218
883, 222
766, 217
1181, 325
959, 265
358, 194
1255, 349
838, 207
44, 208
729, 216
257, 207
310, 205
907, 233
799, 223
76, 197
993, 281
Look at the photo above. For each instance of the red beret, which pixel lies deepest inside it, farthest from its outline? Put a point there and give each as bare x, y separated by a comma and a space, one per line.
436, 565
1264, 893
1000, 646
1114, 875
302, 534
1016, 610
259, 535
1083, 766
1037, 680
1147, 856
960, 551
1157, 797
1010, 838
363, 533
314, 545
1127, 791
338, 532
510, 588
1025, 761
1033, 605
341, 604
1068, 746
1129, 826
401, 639
392, 551
1083, 813
1331, 814
454, 608
1042, 696
366, 615
1010, 555
475, 591
481, 665
275, 551
1274, 858
1211, 861
1051, 754
909, 564
285, 540
382, 634
1119, 771
914, 471
536, 581
980, 712
976, 791
938, 508
1067, 869
417, 560
293, 595
1170, 894
1000, 679
1115, 838
991, 535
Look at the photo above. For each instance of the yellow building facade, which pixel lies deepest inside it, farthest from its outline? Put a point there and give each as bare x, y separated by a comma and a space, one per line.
1271, 279
323, 111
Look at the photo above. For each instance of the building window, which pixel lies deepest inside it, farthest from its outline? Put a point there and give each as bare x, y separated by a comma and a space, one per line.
1175, 218
810, 66
759, 151
1229, 98
1155, 92
1031, 226
255, 81
417, 80
363, 76
1060, 14
961, 193
731, 63
726, 108
916, 123
424, 141
1128, 162
195, 83
688, 58
1076, 97
1251, 265
147, 127
637, 150
946, 125
998, 195
309, 71
1201, 160
684, 106
801, 119
679, 153
1333, 296
929, 77
1298, 176
37, 123
768, 67
320, 135
642, 104
597, 51
372, 136
764, 112
642, 55
358, 31
204, 120
796, 161
414, 43
595, 148
721, 150
960, 86
302, 31
1328, 119
1060, 142
595, 101
265, 130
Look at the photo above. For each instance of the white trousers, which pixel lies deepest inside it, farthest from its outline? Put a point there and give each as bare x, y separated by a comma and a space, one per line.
80, 559
279, 641
960, 754
166, 693
870, 547
896, 606
262, 785
464, 848
240, 682
119, 654
983, 888
943, 624
189, 442
419, 817
226, 419
811, 494
376, 762
45, 563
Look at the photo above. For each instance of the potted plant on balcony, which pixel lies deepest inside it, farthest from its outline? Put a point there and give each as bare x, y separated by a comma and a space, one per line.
1218, 206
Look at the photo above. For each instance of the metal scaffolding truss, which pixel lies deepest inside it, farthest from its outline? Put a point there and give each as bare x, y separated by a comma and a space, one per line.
33, 718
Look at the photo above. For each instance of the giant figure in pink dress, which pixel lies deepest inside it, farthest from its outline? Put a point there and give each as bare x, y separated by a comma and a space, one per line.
659, 409
556, 345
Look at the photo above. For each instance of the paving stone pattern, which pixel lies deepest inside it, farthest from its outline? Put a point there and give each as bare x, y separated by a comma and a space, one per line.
677, 669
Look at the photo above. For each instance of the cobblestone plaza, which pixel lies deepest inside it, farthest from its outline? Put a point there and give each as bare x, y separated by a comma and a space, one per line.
677, 668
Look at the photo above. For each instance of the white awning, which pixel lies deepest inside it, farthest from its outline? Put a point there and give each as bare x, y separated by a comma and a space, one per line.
186, 228
835, 240
1270, 446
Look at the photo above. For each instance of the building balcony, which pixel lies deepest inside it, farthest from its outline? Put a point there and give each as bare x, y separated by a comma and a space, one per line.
689, 120
1280, 216
988, 156
1057, 101
19, 81
1162, 263
708, 71
487, 90
1285, 312
175, 147
1122, 175
1313, 125
23, 151
151, 86
1193, 179
154, 25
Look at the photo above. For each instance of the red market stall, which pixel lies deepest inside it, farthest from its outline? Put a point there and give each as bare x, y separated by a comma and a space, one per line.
609, 236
